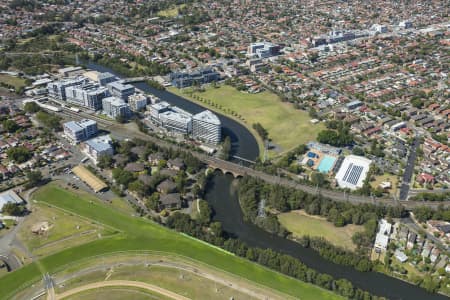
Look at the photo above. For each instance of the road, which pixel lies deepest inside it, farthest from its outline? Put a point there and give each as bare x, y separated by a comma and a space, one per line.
409, 170
123, 132
135, 284
409, 222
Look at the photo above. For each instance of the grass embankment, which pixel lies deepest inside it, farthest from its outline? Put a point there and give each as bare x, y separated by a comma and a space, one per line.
118, 293
9, 80
300, 224
287, 127
141, 234
65, 230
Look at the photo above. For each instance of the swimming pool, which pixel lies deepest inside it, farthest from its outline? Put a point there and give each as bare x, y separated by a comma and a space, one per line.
326, 164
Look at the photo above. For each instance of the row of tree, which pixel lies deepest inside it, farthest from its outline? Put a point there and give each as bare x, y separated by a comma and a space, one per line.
286, 264
252, 191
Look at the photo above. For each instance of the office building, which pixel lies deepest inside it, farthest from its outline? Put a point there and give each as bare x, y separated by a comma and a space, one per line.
87, 95
263, 50
97, 147
78, 131
114, 107
206, 126
120, 90
353, 172
137, 102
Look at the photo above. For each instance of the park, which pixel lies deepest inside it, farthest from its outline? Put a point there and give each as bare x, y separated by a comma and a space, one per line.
128, 233
287, 127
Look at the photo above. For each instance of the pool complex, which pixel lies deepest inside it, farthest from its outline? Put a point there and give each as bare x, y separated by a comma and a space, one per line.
326, 164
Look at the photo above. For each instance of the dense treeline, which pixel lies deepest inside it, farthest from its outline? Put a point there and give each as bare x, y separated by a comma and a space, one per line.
425, 213
280, 262
50, 121
252, 191
337, 135
262, 132
146, 68
431, 197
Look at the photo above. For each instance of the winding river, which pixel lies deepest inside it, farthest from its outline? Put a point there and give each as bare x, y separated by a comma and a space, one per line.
222, 196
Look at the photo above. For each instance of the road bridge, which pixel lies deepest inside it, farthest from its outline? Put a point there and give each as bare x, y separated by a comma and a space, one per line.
238, 170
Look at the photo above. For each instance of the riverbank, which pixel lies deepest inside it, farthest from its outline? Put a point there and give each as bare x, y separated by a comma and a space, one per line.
287, 127
222, 196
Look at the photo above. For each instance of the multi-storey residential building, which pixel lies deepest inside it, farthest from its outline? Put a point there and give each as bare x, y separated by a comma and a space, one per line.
120, 90
115, 107
137, 102
88, 95
263, 50
98, 147
201, 76
206, 126
57, 89
171, 118
78, 131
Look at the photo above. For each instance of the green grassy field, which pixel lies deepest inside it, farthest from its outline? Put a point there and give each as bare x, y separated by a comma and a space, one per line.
141, 234
65, 230
288, 127
117, 293
16, 82
299, 223
386, 177
171, 12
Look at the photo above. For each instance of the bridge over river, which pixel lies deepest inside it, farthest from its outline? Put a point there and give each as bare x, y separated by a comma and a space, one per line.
238, 170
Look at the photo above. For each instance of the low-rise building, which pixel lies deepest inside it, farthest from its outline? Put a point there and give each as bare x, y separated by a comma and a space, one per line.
78, 131
97, 147
137, 102
120, 90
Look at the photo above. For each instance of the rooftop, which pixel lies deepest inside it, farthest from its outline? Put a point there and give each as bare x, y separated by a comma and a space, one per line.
207, 116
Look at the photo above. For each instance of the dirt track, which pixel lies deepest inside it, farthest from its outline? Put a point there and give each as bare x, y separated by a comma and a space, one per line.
110, 283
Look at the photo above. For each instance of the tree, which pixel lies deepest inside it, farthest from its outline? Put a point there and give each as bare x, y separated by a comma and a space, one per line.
31, 107
105, 162
226, 149
49, 120
12, 209
358, 151
153, 202
10, 126
262, 132
205, 212
34, 178
318, 179
19, 154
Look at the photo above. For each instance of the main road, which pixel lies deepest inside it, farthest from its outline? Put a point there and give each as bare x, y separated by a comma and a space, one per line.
123, 131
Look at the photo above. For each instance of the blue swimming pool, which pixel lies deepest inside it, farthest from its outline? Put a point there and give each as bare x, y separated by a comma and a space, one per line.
326, 164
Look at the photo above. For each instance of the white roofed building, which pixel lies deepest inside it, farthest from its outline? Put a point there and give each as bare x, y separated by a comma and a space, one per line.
353, 172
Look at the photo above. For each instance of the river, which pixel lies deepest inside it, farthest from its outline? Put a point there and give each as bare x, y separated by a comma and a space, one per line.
222, 196
242, 141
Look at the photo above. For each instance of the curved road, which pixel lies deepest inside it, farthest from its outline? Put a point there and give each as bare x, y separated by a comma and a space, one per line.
111, 283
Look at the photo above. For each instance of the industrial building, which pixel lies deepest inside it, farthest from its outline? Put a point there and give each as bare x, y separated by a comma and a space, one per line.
9, 197
207, 127
114, 107
78, 131
90, 179
353, 172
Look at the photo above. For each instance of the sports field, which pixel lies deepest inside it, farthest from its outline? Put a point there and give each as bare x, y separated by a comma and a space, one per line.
287, 127
300, 224
171, 12
140, 234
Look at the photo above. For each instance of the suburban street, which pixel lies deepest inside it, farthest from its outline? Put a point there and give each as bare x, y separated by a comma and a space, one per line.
409, 170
